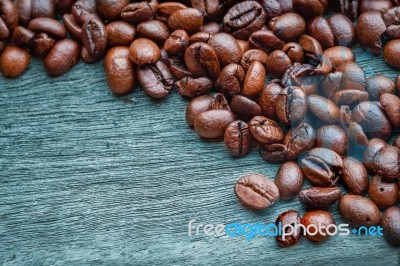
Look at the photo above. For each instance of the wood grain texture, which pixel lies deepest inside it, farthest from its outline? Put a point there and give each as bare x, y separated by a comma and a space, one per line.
87, 178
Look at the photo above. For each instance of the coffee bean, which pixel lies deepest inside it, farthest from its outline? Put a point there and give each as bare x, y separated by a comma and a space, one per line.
355, 176
244, 108
391, 20
357, 135
289, 180
139, 11
202, 61
196, 106
353, 77
188, 19
154, 30
277, 63
265, 40
370, 29
14, 61
319, 197
379, 84
244, 18
165, 10
349, 97
370, 151
370, 5
43, 8
298, 140
220, 102
294, 51
359, 211
266, 130
110, 9
254, 80
89, 58
288, 27
256, 191
176, 42
311, 47
320, 220
231, 79
382, 193
332, 137
291, 105
292, 218
386, 163
94, 36
120, 33
212, 124
237, 138
210, 9
244, 45
62, 57
391, 105
72, 26
82, 10
144, 51
319, 28
303, 76
274, 153
155, 79
49, 26
391, 225
23, 36
252, 55
309, 9
42, 44
193, 87
343, 30
324, 109
267, 100
176, 66
339, 55
276, 8
119, 70
391, 53
226, 47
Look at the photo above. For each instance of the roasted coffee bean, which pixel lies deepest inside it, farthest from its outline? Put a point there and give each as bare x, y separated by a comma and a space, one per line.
252, 55
256, 191
177, 67
23, 36
332, 137
194, 87
294, 51
291, 105
357, 135
391, 53
359, 211
89, 58
370, 29
309, 9
82, 10
212, 124
267, 100
370, 151
287, 218
155, 79
244, 18
289, 180
188, 19
372, 118
319, 197
311, 47
274, 153
210, 9
299, 140
277, 63
13, 61
319, 28
244, 108
196, 106
144, 51
42, 44
49, 26
345, 115
391, 105
254, 80
120, 33
30, 9
339, 55
154, 30
324, 109
372, 5
8, 18
62, 57
343, 30
386, 163
211, 27
330, 84
350, 97
165, 10
288, 27
231, 79
303, 76
119, 70
265, 130
391, 225
72, 26
391, 20
276, 8
110, 9
265, 40
202, 61
94, 36
244, 45
379, 84
139, 11
355, 176
353, 77
322, 222
220, 102
226, 47
237, 138
176, 42
382, 193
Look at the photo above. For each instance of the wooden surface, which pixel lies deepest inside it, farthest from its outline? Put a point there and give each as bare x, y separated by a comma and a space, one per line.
89, 178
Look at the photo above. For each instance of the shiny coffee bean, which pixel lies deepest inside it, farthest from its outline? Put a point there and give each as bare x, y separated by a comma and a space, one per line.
267, 99
349, 97
144, 51
353, 76
298, 140
309, 9
277, 63
303, 76
332, 137
319, 28
382, 193
294, 51
244, 108
72, 26
391, 105
137, 12
311, 47
276, 8
289, 180
42, 44
265, 130
193, 87
155, 79
199, 37
49, 26
291, 105
252, 55
318, 219
391, 53
202, 61
210, 9
110, 10
176, 42
231, 79
188, 19
370, 29
212, 124
166, 9
370, 151
83, 9
319, 197
120, 33
196, 106
359, 211
339, 55
256, 191
177, 67
379, 84
324, 109
23, 36
386, 163
356, 134
94, 36
287, 218
254, 80
355, 176
226, 47
62, 57
274, 153
288, 27
154, 30
14, 61
391, 225
89, 58
237, 138
8, 18
343, 30
265, 40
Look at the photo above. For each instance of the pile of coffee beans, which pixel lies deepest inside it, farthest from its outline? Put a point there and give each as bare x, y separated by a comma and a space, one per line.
317, 107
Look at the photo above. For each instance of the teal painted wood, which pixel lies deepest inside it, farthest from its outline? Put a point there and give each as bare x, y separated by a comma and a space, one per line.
89, 178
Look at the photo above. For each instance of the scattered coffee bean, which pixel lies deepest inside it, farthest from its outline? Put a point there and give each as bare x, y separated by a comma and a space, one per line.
196, 106
382, 193
14, 61
212, 124
332, 137
289, 180
144, 51
355, 176
237, 138
359, 211
391, 225
193, 87
266, 130
319, 197
62, 57
319, 219
290, 217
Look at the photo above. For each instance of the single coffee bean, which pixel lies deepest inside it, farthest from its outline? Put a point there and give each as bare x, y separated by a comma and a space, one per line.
309, 9
359, 211
244, 108
350, 97
356, 134
371, 5
370, 29
302, 76
319, 28
14, 61
244, 18
379, 84
319, 197
322, 222
311, 47
391, 104
144, 51
391, 53
196, 106
139, 11
94, 36
289, 180
110, 9
339, 55
212, 124
62, 57
237, 138
324, 109
382, 193
318, 172
355, 176
188, 19
193, 87
343, 30
391, 225
211, 27
42, 44
165, 10
8, 18
370, 151
274, 153
287, 218
49, 26
209, 8
353, 77
267, 100
276, 8
298, 140
277, 63
23, 36
154, 30
256, 191
72, 26
199, 37
82, 10
294, 51
332, 137
155, 79
386, 163
391, 19
120, 33
176, 42
202, 61
288, 27
252, 55
265, 130
226, 47
120, 71
291, 105
265, 40
254, 80
231, 79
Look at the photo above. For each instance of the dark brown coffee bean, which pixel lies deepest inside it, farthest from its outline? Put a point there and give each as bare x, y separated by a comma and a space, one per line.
226, 47
176, 66
391, 53
276, 8
324, 109
332, 137
357, 135
372, 118
359, 211
294, 51
256, 191
266, 130
370, 29
89, 58
120, 71
391, 105
309, 9
382, 193
302, 76
274, 153
139, 11
379, 84
199, 37
8, 18
144, 51
292, 218
254, 80
391, 20
197, 106
211, 27
339, 55
370, 151
244, 45
320, 220
319, 28
231, 79
212, 124
82, 10
154, 30
14, 61
391, 225
166, 9
155, 79
72, 26
210, 9
289, 180
43, 8
252, 55
277, 63
23, 36
343, 30
120, 33
202, 61
350, 97
237, 138
49, 26
265, 40
188, 19
288, 27
244, 18
353, 77
42, 44
299, 140
94, 36
311, 47
193, 87
176, 42
319, 197
62, 57
355, 176
244, 108
110, 9
372, 5
267, 100
386, 163
291, 105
